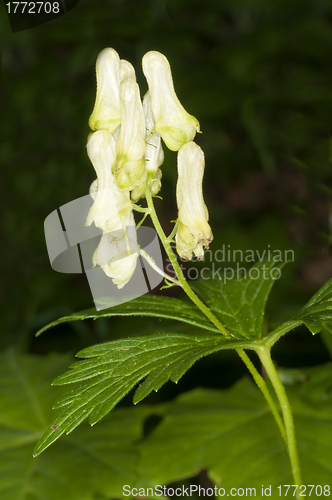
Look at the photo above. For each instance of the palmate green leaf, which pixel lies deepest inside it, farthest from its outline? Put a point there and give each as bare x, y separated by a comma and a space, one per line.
317, 313
233, 435
93, 461
147, 305
112, 369
240, 303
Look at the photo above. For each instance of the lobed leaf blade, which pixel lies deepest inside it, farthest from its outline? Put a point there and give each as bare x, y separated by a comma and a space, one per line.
124, 363
240, 303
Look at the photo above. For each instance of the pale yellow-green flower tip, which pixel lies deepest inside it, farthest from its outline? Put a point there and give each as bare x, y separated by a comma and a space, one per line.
172, 121
106, 113
194, 233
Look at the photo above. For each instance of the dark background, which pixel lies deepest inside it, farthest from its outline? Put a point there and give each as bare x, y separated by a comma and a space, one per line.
257, 75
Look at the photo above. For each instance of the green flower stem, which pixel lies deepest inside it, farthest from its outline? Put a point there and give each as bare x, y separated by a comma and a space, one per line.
263, 387
138, 208
265, 357
256, 376
154, 266
177, 268
173, 233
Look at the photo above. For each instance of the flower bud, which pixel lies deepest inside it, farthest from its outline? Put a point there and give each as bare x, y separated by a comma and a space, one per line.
194, 233
155, 184
129, 167
112, 207
106, 112
117, 254
172, 121
139, 191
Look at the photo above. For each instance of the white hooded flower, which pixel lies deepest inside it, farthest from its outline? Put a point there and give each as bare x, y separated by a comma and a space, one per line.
172, 121
129, 167
106, 113
112, 207
110, 72
117, 254
194, 233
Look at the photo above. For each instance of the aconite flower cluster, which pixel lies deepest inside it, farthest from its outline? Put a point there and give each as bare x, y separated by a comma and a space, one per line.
125, 149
